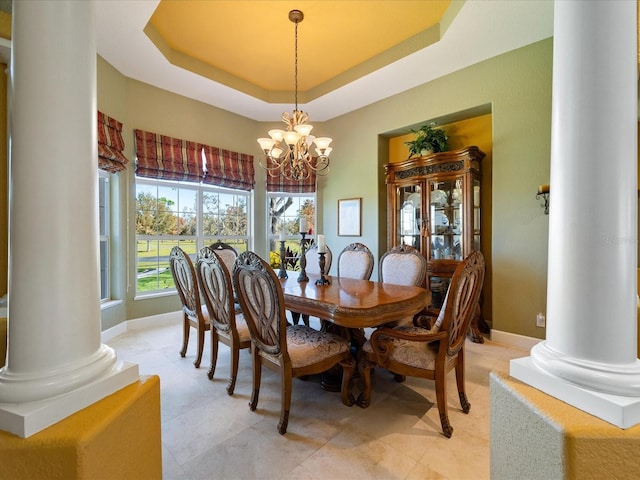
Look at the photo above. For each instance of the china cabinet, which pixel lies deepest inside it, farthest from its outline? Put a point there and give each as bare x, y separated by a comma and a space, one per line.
433, 205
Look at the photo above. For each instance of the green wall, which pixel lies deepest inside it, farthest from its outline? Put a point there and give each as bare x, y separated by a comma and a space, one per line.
516, 86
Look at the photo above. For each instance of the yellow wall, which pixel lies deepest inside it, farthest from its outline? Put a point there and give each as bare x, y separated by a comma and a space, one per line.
118, 437
472, 131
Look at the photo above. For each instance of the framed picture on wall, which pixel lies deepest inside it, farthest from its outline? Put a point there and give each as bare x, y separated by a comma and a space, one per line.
350, 217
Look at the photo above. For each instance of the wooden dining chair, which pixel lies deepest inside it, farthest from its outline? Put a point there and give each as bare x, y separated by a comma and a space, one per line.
292, 351
355, 261
226, 327
402, 265
226, 252
194, 316
431, 349
228, 255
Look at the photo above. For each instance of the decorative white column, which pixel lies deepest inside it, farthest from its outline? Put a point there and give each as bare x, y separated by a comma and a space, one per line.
56, 364
589, 357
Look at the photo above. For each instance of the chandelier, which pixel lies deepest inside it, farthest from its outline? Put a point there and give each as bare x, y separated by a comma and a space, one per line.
288, 152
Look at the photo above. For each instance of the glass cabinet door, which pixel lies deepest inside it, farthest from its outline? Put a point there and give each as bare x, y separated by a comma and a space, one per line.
408, 215
476, 214
446, 216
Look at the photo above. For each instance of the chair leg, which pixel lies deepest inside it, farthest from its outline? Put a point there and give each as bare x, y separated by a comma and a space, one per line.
305, 319
200, 347
186, 328
235, 359
285, 406
348, 368
441, 396
295, 317
214, 353
364, 367
464, 402
257, 374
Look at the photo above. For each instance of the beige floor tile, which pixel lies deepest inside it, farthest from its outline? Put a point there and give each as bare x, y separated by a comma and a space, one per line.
208, 434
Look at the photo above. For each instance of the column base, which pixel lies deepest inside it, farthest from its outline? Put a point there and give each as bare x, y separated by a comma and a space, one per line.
621, 411
26, 418
115, 438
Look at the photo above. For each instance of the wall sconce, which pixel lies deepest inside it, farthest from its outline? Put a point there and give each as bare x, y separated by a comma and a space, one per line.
543, 191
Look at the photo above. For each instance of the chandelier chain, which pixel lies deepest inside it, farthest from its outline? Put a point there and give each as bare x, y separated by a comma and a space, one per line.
296, 66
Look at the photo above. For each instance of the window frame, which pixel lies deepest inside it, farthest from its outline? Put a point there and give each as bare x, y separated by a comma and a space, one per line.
274, 239
199, 238
104, 231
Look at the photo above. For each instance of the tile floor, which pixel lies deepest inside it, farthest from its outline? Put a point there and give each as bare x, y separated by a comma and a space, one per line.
208, 434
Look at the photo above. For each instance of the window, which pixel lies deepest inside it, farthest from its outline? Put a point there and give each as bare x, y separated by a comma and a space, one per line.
103, 212
188, 215
285, 212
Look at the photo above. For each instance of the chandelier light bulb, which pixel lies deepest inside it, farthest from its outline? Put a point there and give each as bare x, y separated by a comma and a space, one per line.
323, 142
277, 135
291, 137
303, 130
266, 144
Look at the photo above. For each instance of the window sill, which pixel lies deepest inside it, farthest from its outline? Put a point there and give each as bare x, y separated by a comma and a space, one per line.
110, 304
155, 295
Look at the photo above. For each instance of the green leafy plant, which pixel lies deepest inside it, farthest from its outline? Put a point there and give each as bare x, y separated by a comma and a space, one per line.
429, 139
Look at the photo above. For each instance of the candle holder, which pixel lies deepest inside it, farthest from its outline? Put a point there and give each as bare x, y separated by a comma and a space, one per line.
322, 280
283, 255
303, 259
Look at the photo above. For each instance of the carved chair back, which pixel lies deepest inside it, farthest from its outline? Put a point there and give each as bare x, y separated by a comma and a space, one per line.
355, 261
402, 265
226, 252
215, 283
262, 302
186, 281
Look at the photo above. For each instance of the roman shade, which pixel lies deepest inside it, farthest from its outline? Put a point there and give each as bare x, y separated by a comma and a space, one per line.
110, 145
167, 158
228, 169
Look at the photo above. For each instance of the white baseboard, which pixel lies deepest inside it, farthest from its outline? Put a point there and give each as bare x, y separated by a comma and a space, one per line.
514, 340
170, 318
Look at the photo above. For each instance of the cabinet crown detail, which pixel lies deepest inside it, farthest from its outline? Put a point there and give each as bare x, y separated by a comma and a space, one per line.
441, 162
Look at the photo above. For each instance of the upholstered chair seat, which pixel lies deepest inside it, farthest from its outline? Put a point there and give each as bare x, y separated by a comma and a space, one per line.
415, 354
307, 347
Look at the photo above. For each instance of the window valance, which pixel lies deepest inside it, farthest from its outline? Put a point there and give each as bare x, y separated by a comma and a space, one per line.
167, 158
110, 145
286, 185
228, 169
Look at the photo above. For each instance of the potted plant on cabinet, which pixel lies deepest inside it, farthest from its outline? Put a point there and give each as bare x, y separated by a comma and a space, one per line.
428, 140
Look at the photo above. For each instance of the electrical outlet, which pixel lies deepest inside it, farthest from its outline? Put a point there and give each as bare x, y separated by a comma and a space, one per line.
540, 320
